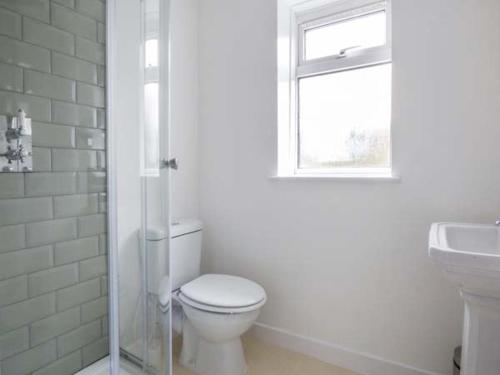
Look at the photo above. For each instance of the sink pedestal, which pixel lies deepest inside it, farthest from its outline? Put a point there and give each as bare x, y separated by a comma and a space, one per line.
481, 337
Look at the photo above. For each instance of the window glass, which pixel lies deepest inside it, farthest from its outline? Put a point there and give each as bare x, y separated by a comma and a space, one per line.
151, 128
151, 53
360, 32
344, 119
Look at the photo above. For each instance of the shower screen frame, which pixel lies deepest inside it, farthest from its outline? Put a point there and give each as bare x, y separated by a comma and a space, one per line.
163, 174
112, 239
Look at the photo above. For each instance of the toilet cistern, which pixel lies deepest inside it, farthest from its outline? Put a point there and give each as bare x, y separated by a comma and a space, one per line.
215, 309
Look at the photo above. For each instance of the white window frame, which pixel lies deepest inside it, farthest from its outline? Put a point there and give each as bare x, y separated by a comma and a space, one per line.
294, 18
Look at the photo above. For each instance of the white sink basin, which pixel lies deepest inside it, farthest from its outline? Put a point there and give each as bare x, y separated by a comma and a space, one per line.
469, 255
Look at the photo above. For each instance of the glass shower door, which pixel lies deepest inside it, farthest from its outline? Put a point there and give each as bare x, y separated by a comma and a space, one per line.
145, 322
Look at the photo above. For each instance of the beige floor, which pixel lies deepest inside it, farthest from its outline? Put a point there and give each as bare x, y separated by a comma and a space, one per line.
266, 359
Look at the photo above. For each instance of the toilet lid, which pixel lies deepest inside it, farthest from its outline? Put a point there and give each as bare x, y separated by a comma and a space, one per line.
224, 291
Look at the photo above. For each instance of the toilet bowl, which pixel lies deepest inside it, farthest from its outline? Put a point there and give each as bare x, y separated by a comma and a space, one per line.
218, 310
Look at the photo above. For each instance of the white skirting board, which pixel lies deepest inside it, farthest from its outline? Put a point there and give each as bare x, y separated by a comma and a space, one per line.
363, 363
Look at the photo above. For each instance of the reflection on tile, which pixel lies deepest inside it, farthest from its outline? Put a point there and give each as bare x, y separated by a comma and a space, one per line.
93, 267
23, 54
35, 9
75, 205
73, 22
90, 51
47, 183
73, 251
12, 185
46, 232
74, 160
24, 261
90, 139
73, 114
78, 294
73, 68
25, 210
55, 278
47, 85
37, 107
93, 8
11, 78
48, 36
93, 182
54, 325
42, 159
10, 23
48, 135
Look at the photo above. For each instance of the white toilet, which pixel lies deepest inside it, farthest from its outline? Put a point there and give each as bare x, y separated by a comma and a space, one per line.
217, 309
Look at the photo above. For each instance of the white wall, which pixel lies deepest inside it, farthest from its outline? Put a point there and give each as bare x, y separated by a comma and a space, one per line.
184, 111
346, 262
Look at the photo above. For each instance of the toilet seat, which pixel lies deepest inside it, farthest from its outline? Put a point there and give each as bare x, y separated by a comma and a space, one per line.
217, 309
223, 294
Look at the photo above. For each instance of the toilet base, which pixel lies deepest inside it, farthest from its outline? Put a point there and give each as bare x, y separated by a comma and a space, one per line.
211, 358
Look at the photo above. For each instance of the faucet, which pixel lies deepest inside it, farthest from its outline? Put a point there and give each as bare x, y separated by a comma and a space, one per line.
497, 223
15, 154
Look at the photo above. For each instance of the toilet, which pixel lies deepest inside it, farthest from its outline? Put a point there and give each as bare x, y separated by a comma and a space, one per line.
216, 309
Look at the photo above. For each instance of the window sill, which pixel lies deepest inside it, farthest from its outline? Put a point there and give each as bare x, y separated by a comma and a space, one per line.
344, 178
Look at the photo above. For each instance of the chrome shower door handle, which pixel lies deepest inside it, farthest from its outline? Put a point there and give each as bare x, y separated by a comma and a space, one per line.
171, 163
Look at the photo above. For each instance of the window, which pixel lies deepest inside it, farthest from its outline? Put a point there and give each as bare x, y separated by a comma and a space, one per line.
151, 89
335, 109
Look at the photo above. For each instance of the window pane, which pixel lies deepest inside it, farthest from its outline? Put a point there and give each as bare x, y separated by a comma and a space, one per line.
344, 119
364, 31
151, 128
151, 52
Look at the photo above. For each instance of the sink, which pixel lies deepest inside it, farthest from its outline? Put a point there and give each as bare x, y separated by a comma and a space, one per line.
469, 255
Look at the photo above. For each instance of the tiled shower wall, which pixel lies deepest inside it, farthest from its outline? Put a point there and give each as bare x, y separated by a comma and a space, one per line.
53, 274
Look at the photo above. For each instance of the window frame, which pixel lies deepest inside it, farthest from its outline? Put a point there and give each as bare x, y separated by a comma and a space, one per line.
303, 17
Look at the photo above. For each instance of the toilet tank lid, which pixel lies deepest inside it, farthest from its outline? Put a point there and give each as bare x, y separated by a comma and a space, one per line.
184, 226
178, 228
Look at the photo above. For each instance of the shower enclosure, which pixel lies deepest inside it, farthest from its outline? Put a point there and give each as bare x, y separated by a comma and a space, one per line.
84, 177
